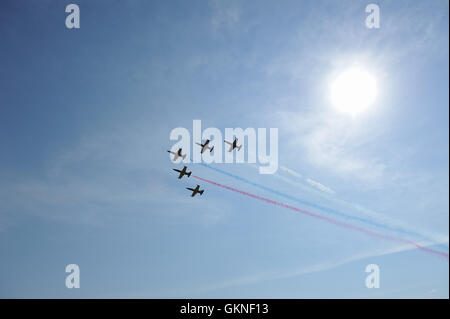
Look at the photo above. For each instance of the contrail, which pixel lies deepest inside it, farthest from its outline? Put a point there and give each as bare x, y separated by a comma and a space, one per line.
322, 187
328, 194
400, 228
327, 219
325, 209
291, 172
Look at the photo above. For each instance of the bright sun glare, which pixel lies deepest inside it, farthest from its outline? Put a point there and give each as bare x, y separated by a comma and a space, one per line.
353, 91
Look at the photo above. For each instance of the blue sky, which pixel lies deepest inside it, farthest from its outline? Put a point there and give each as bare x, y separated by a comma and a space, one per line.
85, 121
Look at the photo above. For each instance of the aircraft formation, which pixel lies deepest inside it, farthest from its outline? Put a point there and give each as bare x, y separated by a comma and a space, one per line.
205, 146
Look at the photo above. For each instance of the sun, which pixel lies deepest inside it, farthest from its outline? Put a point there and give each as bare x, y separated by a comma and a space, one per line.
353, 91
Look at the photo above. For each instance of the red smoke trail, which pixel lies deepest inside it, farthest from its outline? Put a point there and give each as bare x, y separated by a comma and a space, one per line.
327, 219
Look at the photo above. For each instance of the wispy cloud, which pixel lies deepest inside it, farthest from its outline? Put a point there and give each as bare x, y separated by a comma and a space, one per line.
225, 14
107, 173
264, 276
334, 143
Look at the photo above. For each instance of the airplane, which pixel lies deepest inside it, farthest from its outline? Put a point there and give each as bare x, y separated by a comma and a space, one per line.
196, 190
234, 145
182, 172
177, 154
205, 146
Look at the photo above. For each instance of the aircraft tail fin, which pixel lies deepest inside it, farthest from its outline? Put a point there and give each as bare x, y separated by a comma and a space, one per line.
184, 156
239, 147
211, 149
201, 192
189, 174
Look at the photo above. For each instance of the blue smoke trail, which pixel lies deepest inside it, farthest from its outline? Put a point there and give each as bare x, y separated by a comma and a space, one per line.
323, 208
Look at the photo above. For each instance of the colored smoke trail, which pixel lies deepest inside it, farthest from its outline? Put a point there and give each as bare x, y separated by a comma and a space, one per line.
399, 229
400, 226
325, 209
327, 219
